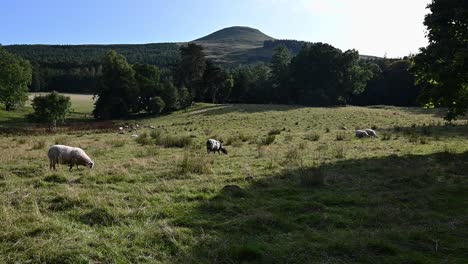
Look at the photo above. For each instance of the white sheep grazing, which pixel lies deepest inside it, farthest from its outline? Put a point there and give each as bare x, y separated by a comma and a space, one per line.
60, 154
121, 130
213, 145
361, 133
371, 132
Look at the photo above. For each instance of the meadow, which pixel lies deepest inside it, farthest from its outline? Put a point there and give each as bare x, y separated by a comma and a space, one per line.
295, 187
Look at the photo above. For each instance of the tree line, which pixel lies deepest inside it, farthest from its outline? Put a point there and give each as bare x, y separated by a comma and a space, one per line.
318, 75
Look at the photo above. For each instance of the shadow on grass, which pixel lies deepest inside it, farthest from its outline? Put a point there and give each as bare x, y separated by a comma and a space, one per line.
244, 108
410, 209
437, 112
434, 131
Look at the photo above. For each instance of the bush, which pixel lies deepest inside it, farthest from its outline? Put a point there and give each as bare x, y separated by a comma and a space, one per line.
50, 108
156, 105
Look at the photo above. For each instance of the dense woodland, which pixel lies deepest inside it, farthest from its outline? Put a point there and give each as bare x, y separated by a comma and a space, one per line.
78, 69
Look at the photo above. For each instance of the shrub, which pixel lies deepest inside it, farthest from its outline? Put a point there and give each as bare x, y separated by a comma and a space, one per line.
50, 108
156, 105
312, 136
274, 132
268, 140
197, 163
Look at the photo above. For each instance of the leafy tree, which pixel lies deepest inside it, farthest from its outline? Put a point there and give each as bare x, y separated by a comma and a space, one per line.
156, 105
185, 98
191, 68
170, 96
50, 108
324, 75
117, 93
217, 83
441, 67
280, 73
251, 84
148, 82
15, 76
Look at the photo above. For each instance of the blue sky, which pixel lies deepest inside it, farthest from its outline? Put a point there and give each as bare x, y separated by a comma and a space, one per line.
373, 27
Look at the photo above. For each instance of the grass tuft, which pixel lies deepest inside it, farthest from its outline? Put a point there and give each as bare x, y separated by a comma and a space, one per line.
268, 140
312, 136
196, 163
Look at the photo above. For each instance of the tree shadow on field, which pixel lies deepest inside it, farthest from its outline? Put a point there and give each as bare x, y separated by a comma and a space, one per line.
435, 112
244, 108
411, 209
434, 131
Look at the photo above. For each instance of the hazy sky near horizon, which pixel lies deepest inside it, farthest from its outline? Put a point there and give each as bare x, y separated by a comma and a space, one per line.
373, 27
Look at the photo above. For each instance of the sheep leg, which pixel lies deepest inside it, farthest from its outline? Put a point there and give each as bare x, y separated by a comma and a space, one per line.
71, 167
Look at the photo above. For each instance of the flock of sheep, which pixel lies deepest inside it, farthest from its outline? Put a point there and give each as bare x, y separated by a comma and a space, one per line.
73, 156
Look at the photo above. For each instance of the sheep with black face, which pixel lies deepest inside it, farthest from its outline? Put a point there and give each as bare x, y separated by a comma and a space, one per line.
213, 145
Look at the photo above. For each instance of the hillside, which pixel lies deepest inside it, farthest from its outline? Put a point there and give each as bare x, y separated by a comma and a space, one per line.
237, 35
228, 46
309, 193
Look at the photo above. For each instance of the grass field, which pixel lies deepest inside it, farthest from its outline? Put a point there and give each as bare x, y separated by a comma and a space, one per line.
296, 187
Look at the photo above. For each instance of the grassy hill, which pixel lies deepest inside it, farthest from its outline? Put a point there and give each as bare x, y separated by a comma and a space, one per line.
238, 35
295, 187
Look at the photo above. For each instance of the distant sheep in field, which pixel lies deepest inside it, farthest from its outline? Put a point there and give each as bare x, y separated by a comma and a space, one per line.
361, 133
60, 154
121, 130
371, 132
213, 145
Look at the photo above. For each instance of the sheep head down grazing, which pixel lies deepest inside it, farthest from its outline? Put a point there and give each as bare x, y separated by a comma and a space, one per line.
213, 145
60, 154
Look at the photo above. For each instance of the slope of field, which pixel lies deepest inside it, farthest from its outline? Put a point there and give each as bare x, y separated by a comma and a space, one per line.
310, 192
